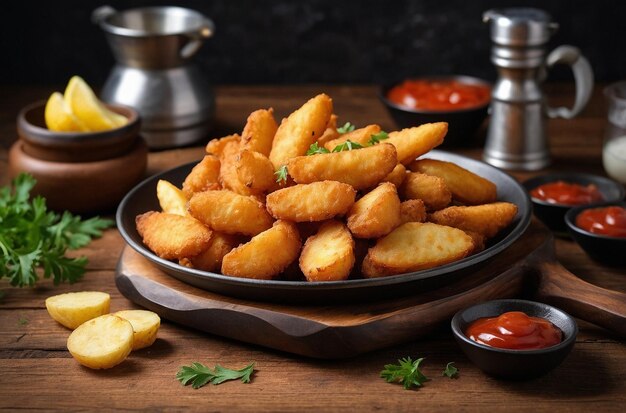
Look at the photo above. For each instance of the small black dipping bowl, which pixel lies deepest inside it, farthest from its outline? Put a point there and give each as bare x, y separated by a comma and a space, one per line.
553, 215
605, 249
462, 123
514, 364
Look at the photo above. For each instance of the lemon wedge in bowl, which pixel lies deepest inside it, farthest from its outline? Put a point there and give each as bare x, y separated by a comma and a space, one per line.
59, 117
85, 105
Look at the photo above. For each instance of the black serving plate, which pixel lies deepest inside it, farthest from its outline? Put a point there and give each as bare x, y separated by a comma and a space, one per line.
143, 198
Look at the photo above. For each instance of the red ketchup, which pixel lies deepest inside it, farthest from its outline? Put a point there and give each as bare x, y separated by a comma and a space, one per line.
515, 331
609, 221
441, 95
561, 192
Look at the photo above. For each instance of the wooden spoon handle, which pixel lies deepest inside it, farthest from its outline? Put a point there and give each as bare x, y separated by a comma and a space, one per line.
580, 299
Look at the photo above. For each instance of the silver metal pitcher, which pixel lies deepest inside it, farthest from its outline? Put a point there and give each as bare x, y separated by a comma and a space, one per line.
517, 138
153, 47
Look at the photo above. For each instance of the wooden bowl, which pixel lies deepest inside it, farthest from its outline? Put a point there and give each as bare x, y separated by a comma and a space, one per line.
83, 172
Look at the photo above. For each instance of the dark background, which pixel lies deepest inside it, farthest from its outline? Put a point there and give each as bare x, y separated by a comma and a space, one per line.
318, 41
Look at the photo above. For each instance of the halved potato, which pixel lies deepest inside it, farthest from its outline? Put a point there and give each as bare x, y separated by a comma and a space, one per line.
101, 343
73, 309
145, 326
171, 199
329, 254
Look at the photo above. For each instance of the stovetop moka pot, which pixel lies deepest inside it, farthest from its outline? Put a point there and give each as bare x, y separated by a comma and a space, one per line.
517, 138
153, 47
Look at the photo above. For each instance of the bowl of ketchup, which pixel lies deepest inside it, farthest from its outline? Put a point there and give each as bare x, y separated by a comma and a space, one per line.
514, 339
600, 229
462, 101
552, 195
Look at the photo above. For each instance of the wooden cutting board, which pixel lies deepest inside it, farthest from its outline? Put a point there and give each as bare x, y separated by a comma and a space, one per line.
345, 330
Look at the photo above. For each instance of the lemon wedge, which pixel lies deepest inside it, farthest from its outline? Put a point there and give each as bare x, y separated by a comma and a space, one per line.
59, 116
88, 109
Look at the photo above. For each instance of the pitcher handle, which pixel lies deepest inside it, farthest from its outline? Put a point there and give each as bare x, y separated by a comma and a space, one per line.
101, 13
583, 75
196, 38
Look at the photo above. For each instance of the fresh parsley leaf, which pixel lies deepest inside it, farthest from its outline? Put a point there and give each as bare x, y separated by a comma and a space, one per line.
407, 372
347, 146
450, 371
375, 138
198, 374
315, 149
347, 127
32, 237
281, 174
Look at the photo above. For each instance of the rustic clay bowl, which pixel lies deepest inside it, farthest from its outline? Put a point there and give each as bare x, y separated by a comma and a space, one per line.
83, 172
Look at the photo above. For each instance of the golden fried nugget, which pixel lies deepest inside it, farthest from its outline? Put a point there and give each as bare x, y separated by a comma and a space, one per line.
360, 136
266, 254
259, 131
396, 176
330, 132
228, 212
430, 189
412, 210
487, 219
376, 214
211, 258
255, 171
311, 202
416, 141
466, 187
329, 254
361, 168
479, 241
229, 178
172, 236
416, 246
203, 176
216, 146
296, 133
171, 199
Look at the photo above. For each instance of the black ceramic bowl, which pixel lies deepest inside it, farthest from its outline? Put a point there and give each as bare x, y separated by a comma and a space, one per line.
514, 364
462, 124
553, 215
608, 250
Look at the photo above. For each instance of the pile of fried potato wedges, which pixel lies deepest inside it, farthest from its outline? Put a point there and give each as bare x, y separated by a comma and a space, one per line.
306, 200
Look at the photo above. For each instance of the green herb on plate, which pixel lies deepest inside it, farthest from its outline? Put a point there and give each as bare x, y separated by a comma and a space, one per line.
376, 138
315, 149
347, 127
198, 374
281, 174
347, 146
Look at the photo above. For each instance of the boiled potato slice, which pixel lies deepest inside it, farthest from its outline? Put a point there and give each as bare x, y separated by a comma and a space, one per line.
73, 309
430, 189
101, 343
376, 214
171, 199
203, 176
145, 326
488, 219
414, 142
329, 254
416, 246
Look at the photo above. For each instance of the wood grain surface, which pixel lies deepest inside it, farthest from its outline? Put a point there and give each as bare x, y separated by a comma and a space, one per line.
38, 374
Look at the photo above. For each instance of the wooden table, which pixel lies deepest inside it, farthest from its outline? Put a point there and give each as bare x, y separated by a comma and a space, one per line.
38, 373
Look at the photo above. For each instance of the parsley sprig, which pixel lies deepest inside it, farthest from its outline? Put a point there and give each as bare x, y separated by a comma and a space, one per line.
407, 371
315, 149
32, 237
376, 138
281, 174
347, 127
198, 374
450, 371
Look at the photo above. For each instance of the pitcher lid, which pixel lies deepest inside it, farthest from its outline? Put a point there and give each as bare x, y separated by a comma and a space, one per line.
520, 26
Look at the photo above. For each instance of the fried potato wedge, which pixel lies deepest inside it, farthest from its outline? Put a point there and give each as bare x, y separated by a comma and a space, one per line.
172, 236
203, 176
229, 178
216, 146
430, 189
330, 132
416, 246
487, 219
296, 133
414, 142
145, 326
479, 241
228, 212
412, 210
317, 201
376, 214
360, 136
101, 343
255, 171
329, 254
466, 187
171, 199
266, 254
396, 176
259, 131
211, 259
73, 309
361, 168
